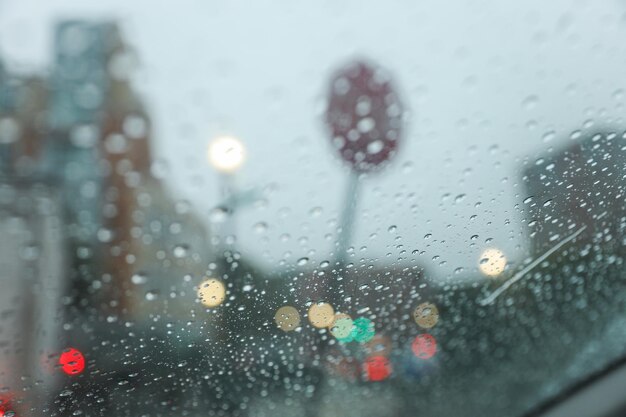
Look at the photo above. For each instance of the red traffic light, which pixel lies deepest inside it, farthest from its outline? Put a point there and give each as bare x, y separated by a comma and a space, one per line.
6, 405
424, 346
72, 361
377, 368
364, 115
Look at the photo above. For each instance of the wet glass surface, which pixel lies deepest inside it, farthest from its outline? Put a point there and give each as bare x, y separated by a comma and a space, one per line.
311, 209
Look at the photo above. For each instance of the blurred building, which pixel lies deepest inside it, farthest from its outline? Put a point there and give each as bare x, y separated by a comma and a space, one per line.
125, 220
581, 185
33, 262
83, 134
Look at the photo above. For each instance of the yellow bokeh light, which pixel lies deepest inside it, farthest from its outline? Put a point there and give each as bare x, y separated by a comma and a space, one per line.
321, 315
426, 315
287, 318
226, 154
212, 292
492, 262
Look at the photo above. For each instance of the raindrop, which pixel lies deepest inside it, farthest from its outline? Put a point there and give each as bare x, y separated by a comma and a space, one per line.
218, 214
260, 227
116, 143
407, 167
159, 168
366, 125
139, 278
152, 295
84, 136
180, 251
104, 235
135, 127
548, 136
316, 212
375, 147
530, 102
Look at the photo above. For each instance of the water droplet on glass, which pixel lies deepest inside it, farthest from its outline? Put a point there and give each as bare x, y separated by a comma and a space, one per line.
218, 214
316, 212
530, 102
152, 295
260, 227
180, 251
548, 136
139, 278
407, 167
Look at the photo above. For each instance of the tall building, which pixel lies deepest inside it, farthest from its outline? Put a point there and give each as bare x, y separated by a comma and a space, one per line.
581, 186
85, 133
33, 262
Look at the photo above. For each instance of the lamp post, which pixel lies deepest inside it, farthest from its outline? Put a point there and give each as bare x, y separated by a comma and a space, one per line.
226, 154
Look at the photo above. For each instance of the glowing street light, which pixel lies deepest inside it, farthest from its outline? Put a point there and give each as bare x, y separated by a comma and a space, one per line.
212, 292
287, 318
377, 368
426, 315
226, 154
492, 262
321, 315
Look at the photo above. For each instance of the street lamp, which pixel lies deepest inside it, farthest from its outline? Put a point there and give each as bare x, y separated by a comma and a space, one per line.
212, 292
492, 262
226, 154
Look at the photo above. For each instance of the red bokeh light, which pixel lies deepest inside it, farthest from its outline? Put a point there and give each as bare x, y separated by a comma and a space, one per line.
424, 346
72, 361
377, 368
5, 403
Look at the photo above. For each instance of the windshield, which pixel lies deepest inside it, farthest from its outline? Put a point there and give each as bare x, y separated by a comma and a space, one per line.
309, 209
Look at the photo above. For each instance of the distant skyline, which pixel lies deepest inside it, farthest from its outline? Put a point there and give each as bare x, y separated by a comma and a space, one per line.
488, 87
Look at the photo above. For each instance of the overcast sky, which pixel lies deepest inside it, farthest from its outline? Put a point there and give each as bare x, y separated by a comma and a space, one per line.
484, 82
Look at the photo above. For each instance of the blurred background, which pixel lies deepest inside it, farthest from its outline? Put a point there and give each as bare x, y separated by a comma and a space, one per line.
368, 209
